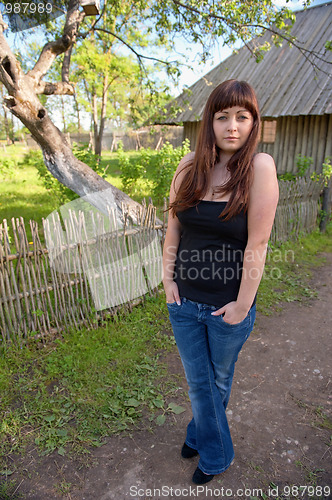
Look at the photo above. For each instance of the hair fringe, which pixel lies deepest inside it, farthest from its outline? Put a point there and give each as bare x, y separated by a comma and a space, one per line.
197, 178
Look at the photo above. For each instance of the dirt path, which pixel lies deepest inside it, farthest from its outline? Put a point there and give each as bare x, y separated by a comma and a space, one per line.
281, 392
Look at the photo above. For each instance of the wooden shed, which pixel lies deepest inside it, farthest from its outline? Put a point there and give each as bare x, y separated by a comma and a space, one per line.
294, 90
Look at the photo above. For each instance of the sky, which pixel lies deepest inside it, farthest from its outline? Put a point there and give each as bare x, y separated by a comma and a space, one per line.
190, 76
194, 69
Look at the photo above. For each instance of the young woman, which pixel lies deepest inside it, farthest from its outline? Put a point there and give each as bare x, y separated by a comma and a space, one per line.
223, 200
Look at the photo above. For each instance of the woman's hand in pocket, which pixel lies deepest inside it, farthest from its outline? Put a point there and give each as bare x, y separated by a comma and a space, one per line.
172, 292
233, 313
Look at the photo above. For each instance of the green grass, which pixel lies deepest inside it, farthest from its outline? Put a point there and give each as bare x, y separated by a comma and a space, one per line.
22, 193
8, 490
289, 268
73, 391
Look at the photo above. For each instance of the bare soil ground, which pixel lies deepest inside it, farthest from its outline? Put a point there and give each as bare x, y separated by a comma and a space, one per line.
279, 413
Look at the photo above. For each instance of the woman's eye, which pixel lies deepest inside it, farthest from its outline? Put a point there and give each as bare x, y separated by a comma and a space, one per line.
243, 117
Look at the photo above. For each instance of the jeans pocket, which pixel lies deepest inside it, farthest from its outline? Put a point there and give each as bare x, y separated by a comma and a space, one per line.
173, 305
235, 325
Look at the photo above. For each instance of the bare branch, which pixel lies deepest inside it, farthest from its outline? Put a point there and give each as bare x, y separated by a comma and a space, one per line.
66, 65
139, 56
52, 49
56, 88
196, 11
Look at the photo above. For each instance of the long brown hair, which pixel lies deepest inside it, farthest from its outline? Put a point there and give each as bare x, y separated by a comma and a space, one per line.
196, 179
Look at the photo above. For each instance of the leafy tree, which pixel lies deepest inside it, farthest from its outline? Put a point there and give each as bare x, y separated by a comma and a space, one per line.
108, 86
134, 24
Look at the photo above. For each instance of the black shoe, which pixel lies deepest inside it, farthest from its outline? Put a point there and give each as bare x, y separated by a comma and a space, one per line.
188, 452
200, 478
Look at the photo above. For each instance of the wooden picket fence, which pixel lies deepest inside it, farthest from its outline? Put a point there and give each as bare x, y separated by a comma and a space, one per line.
298, 208
91, 266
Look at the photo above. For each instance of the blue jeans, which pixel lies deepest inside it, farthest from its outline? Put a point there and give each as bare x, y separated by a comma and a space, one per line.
209, 348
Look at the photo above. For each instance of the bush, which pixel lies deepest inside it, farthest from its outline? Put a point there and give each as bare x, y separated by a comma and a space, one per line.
8, 168
166, 162
131, 171
158, 166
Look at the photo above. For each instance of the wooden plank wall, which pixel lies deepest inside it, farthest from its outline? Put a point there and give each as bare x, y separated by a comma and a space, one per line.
306, 135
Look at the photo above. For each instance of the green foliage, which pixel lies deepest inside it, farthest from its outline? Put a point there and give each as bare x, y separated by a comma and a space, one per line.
58, 191
131, 171
327, 170
8, 168
328, 45
303, 164
166, 162
159, 166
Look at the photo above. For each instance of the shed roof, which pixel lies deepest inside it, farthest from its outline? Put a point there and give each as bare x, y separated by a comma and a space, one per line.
286, 83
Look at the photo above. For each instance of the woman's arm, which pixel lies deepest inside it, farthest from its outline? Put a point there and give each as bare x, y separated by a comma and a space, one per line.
264, 194
172, 238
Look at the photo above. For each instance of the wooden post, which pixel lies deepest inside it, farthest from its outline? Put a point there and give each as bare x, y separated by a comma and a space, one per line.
325, 208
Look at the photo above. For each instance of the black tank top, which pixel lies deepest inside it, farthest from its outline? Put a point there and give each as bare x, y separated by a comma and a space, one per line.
209, 259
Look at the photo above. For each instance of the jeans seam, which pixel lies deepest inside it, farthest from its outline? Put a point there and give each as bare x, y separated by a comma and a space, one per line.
215, 411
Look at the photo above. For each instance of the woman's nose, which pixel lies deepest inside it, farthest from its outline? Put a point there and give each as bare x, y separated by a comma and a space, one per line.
232, 124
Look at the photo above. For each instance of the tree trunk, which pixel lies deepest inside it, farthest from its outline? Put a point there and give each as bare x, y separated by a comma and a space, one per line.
23, 102
77, 109
70, 171
95, 122
58, 157
6, 121
63, 114
99, 139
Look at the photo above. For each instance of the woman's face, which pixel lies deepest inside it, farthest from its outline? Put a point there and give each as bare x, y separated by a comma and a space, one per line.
232, 127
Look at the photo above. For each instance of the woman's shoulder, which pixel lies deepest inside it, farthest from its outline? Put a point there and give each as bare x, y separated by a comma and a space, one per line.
185, 162
263, 162
265, 176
